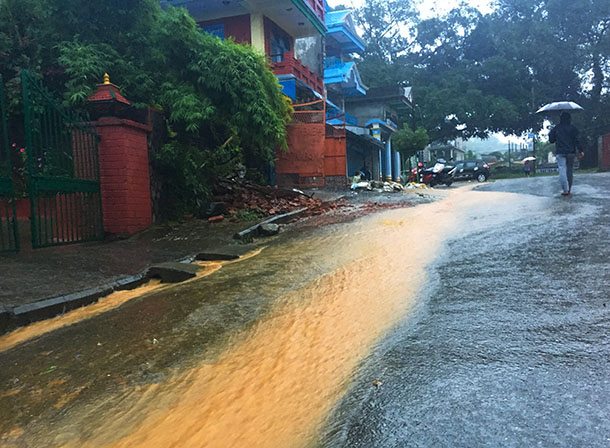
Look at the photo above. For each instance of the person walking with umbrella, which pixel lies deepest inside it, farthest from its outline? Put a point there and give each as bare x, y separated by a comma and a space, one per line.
565, 137
528, 162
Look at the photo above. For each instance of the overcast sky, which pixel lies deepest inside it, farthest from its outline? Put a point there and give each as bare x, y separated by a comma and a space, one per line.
428, 8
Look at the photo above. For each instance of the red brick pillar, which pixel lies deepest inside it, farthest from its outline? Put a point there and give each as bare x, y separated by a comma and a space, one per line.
124, 175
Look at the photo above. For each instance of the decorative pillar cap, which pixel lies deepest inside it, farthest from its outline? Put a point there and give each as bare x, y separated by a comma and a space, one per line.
107, 92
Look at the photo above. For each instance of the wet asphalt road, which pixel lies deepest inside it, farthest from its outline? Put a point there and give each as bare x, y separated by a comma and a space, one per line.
509, 346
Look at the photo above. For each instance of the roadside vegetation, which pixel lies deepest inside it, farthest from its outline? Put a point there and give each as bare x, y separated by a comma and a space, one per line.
472, 74
222, 104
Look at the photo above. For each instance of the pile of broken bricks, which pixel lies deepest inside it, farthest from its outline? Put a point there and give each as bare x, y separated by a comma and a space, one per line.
234, 195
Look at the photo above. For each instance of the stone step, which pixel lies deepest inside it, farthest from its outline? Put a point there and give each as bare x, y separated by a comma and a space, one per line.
173, 272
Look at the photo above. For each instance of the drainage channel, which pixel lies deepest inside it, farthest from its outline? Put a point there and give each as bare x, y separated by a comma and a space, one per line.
161, 277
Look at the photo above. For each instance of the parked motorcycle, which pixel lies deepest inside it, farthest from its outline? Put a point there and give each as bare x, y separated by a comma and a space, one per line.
439, 174
416, 174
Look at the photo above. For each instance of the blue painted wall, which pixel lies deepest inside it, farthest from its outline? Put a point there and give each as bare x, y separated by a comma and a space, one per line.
289, 88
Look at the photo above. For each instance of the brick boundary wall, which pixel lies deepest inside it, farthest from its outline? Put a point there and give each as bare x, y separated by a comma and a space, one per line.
303, 164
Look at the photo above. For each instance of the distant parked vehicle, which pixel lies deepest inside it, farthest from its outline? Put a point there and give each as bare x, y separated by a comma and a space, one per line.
438, 174
471, 170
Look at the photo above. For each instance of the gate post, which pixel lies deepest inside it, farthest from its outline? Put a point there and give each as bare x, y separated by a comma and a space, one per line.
124, 167
9, 227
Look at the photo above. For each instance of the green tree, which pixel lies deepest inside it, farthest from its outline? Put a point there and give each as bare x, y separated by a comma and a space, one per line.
408, 141
385, 25
222, 103
475, 74
387, 30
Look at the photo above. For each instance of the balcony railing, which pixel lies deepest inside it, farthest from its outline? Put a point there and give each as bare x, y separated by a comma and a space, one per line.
342, 117
318, 8
289, 65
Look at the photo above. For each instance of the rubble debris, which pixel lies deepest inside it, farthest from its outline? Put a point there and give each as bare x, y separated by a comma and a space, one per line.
362, 185
238, 194
416, 185
216, 218
250, 232
378, 186
283, 206
214, 209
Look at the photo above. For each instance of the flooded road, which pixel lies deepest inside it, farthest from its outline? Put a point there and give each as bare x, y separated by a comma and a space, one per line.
347, 335
509, 344
267, 344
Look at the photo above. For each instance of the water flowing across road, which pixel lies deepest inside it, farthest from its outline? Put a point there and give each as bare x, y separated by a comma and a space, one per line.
257, 354
508, 346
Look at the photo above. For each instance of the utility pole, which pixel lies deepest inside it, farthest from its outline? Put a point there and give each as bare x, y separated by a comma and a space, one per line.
534, 155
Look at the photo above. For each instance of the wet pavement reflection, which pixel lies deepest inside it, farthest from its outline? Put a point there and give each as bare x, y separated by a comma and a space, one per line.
508, 345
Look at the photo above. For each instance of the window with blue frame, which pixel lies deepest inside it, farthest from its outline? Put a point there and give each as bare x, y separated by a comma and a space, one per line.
217, 30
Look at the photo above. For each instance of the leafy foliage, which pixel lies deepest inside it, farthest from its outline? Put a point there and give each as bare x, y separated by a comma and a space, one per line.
222, 103
474, 74
408, 142
385, 24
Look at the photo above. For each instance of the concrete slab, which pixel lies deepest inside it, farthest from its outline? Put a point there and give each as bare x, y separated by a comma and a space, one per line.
173, 272
253, 231
130, 282
44, 309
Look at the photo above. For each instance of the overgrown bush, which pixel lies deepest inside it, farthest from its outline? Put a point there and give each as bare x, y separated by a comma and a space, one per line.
222, 102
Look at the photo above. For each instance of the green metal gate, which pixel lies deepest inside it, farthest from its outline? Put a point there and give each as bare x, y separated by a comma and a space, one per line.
63, 170
9, 237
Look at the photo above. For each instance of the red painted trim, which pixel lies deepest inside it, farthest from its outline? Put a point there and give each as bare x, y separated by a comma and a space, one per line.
237, 27
292, 66
318, 8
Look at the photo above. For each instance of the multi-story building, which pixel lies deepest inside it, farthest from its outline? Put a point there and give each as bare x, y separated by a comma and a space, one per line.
378, 115
311, 50
272, 27
368, 116
341, 75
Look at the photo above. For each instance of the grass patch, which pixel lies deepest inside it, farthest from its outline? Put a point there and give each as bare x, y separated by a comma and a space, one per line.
249, 215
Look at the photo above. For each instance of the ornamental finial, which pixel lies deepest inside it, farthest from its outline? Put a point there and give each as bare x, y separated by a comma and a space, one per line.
106, 79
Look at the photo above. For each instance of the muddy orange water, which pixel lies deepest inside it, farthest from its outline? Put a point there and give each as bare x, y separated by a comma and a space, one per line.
110, 302
105, 304
276, 384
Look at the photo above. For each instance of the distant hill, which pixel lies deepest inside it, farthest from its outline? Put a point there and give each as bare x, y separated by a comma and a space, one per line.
493, 143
